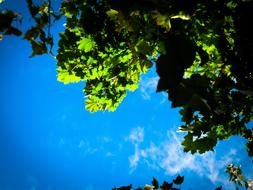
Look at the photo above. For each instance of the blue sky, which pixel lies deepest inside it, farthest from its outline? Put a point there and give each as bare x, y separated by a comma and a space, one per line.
48, 141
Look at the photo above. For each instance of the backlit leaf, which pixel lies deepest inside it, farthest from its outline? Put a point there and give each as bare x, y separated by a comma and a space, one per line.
86, 44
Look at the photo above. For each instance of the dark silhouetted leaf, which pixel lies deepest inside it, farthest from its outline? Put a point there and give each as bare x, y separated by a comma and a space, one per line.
38, 48
14, 31
179, 180
34, 10
218, 188
166, 185
124, 187
155, 183
32, 33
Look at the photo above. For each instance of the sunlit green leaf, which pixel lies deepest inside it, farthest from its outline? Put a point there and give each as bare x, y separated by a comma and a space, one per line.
86, 44
112, 13
181, 15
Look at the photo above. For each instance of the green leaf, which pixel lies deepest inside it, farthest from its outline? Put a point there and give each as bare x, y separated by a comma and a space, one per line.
86, 44
91, 105
162, 20
202, 144
38, 48
32, 33
231, 5
112, 13
143, 47
99, 86
181, 15
65, 77
91, 60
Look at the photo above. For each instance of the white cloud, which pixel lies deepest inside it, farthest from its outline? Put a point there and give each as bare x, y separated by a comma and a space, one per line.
85, 148
109, 154
134, 159
62, 142
32, 182
136, 135
148, 87
169, 156
164, 98
82, 143
105, 139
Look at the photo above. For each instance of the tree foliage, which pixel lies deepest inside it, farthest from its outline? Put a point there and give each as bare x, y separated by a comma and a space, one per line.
174, 185
97, 47
7, 17
203, 52
234, 172
236, 176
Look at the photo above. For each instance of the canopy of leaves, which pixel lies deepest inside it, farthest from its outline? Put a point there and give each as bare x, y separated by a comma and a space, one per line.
203, 52
236, 176
98, 47
174, 185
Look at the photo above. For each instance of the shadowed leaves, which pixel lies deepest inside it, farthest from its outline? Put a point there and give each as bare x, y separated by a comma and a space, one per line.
39, 35
179, 180
6, 23
174, 185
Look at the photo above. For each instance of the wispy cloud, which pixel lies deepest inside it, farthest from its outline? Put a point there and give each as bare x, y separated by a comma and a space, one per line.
89, 187
136, 137
109, 154
32, 182
169, 156
86, 148
134, 159
104, 139
82, 143
164, 97
148, 87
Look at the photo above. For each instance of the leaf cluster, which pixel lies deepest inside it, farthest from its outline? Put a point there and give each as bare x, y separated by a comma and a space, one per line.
205, 72
236, 176
39, 35
155, 185
174, 185
7, 17
103, 51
